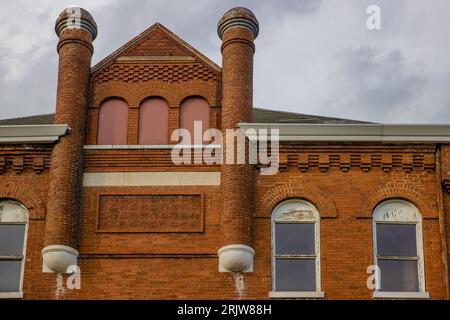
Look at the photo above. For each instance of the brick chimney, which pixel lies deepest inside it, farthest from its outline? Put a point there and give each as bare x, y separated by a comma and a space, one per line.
76, 30
238, 28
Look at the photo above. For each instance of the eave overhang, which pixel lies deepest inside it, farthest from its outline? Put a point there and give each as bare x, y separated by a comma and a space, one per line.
31, 134
382, 133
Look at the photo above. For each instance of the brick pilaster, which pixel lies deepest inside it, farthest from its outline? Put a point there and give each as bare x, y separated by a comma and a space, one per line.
238, 28
76, 30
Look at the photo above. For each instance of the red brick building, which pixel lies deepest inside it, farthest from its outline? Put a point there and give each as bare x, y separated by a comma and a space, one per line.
94, 185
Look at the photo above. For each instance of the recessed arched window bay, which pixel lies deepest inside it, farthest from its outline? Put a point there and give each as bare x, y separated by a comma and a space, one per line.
113, 122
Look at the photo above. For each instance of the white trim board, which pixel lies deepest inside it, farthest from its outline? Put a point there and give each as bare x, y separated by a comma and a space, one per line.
12, 134
136, 179
384, 133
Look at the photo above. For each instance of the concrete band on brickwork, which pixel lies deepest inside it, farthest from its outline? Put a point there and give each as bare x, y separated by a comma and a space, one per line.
137, 179
383, 133
41, 134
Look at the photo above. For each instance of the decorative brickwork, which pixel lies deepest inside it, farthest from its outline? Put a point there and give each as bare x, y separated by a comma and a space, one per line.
18, 159
205, 239
135, 160
155, 64
399, 191
282, 192
152, 213
445, 167
305, 159
157, 72
157, 42
29, 197
446, 183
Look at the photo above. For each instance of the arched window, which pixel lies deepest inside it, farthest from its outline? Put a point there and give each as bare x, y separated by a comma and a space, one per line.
398, 247
13, 230
154, 121
192, 110
113, 122
296, 250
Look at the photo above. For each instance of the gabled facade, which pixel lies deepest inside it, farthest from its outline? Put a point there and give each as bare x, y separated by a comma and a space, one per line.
94, 189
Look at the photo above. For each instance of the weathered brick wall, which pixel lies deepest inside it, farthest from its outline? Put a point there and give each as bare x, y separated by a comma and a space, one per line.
184, 265
29, 186
345, 201
161, 241
445, 184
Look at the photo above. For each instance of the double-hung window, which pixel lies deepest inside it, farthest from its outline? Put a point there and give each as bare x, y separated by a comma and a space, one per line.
13, 229
296, 250
398, 253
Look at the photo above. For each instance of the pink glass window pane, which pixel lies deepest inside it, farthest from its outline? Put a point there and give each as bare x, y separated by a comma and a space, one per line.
154, 122
113, 122
194, 109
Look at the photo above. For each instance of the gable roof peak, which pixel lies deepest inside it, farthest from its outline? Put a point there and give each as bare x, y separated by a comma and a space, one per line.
146, 36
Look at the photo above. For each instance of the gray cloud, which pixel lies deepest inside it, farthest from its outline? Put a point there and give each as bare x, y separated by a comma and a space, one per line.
312, 56
379, 83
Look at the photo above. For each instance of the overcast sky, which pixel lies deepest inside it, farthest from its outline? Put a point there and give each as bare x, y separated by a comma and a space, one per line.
312, 56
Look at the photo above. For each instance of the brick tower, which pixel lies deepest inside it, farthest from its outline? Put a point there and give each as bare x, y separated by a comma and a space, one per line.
238, 28
76, 30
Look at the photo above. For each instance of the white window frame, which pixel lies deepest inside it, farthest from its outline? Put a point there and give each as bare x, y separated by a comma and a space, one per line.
399, 211
296, 211
19, 294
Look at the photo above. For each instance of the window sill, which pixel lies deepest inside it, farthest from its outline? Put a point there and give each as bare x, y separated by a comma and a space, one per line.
297, 294
11, 295
401, 295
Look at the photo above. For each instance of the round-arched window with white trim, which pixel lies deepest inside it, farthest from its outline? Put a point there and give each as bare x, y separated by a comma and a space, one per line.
13, 232
398, 247
295, 249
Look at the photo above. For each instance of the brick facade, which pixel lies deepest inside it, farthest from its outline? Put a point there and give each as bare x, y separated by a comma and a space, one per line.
161, 242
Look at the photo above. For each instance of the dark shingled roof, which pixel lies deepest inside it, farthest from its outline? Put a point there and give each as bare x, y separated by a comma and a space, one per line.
273, 116
40, 119
259, 116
